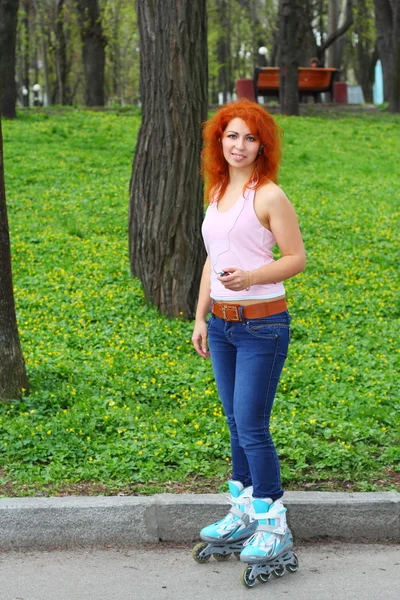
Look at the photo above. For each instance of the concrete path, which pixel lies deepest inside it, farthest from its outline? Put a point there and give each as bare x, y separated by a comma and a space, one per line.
162, 572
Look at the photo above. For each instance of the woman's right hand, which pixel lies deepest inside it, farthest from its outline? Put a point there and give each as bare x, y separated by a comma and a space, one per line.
199, 338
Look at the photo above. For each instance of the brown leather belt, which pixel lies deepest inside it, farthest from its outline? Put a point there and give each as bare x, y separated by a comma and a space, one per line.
231, 312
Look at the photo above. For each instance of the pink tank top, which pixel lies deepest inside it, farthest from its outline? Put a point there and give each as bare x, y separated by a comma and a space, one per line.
236, 238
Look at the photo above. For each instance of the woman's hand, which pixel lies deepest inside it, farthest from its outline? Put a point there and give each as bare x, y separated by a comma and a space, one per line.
237, 279
199, 338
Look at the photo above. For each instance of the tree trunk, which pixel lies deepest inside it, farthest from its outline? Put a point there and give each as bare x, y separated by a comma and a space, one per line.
39, 9
8, 40
305, 37
288, 93
384, 18
365, 71
394, 97
366, 47
224, 58
333, 19
276, 46
387, 13
93, 44
343, 39
166, 202
25, 51
115, 54
61, 54
346, 21
256, 31
13, 377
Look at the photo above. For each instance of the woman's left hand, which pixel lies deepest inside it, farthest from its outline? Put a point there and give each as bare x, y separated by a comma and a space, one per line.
237, 279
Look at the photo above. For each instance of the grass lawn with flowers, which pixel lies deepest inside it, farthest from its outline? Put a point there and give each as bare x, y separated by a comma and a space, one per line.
119, 401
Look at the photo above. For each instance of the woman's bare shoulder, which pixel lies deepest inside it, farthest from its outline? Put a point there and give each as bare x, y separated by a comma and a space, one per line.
271, 192
270, 197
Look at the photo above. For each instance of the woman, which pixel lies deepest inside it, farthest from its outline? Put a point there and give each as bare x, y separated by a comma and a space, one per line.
248, 330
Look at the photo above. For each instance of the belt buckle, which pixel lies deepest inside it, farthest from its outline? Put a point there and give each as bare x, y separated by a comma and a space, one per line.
236, 316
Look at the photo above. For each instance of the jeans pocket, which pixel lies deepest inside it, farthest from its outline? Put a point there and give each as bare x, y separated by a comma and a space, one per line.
263, 328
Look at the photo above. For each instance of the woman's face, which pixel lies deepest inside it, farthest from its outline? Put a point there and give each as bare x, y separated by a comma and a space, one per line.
239, 145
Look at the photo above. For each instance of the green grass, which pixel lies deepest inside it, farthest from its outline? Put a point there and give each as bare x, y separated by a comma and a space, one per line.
119, 400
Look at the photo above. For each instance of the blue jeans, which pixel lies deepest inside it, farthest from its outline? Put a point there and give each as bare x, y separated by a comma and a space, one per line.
248, 358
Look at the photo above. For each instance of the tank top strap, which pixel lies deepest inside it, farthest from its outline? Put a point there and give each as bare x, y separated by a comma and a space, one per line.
248, 196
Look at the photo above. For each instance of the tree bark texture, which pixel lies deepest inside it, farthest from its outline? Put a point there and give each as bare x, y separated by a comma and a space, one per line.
93, 51
8, 40
166, 193
13, 376
288, 93
387, 14
305, 38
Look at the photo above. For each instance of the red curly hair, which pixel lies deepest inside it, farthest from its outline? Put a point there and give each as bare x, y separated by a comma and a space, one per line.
215, 169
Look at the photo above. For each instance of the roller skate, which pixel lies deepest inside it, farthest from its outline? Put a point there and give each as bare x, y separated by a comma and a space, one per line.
228, 535
270, 550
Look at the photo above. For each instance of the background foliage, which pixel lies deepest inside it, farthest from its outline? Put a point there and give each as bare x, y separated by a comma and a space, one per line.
119, 396
236, 30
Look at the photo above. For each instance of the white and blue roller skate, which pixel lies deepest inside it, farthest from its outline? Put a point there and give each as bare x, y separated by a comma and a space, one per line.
228, 535
270, 549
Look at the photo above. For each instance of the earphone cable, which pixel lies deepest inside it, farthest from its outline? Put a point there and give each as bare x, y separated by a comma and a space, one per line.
229, 239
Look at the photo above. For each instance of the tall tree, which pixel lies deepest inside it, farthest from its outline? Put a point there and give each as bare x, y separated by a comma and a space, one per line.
166, 199
40, 10
387, 13
13, 377
224, 55
93, 50
8, 40
333, 19
61, 54
122, 51
288, 94
306, 43
24, 50
365, 48
340, 19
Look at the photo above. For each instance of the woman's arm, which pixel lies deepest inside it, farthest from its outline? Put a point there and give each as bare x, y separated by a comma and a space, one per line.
199, 337
276, 213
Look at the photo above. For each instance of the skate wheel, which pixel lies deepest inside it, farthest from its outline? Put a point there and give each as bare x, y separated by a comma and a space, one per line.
279, 571
294, 565
221, 557
237, 554
196, 553
264, 577
247, 580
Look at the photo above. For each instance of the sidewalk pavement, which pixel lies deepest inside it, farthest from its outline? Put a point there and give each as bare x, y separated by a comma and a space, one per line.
90, 522
328, 571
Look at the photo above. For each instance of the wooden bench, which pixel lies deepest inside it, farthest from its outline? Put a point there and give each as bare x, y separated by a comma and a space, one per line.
312, 81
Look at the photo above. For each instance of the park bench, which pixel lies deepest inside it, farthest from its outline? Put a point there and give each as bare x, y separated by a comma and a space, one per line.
312, 81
